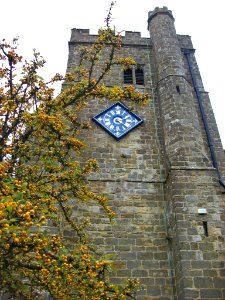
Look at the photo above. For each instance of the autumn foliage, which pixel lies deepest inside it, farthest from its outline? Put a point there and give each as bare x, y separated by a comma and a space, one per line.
40, 175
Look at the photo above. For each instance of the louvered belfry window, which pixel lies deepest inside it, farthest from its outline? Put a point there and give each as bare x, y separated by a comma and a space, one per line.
139, 76
134, 75
128, 76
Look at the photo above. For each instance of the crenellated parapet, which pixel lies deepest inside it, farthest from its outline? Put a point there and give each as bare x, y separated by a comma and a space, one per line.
128, 37
159, 11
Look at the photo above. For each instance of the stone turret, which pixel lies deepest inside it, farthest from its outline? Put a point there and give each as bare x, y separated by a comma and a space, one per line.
195, 199
182, 131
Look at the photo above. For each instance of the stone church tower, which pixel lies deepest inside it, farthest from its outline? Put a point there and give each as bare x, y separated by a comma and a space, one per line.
164, 178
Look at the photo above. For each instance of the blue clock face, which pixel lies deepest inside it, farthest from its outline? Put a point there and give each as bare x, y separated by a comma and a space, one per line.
117, 120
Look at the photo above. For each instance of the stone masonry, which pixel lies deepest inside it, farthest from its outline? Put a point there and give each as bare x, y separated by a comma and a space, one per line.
161, 178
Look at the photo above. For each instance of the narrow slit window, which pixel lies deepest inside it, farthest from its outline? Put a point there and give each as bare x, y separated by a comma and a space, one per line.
178, 89
128, 76
205, 228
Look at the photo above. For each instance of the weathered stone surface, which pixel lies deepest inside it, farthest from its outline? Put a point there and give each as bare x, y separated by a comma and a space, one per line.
160, 174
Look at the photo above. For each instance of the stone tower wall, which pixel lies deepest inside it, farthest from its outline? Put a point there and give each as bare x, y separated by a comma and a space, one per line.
197, 240
137, 238
159, 175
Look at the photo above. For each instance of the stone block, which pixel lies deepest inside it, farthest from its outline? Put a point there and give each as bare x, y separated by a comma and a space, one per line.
219, 282
191, 293
161, 256
203, 282
140, 273
154, 291
210, 293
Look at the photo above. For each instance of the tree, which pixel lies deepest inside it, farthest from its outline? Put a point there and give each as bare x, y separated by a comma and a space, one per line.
41, 175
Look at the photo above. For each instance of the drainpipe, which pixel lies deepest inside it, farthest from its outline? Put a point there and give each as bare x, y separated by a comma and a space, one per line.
204, 117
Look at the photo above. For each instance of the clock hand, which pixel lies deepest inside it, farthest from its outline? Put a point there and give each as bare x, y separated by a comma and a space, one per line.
118, 120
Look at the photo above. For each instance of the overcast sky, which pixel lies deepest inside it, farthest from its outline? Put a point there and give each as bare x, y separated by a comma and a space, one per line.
46, 26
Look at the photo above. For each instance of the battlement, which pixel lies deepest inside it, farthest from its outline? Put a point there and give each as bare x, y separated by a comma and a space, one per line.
81, 31
133, 34
163, 11
82, 35
130, 37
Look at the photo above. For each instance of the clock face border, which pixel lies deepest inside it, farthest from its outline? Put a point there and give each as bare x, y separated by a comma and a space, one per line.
125, 108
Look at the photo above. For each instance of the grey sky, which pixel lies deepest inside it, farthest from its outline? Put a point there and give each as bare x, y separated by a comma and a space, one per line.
46, 24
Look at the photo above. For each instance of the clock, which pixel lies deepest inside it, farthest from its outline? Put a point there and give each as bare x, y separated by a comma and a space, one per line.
117, 120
